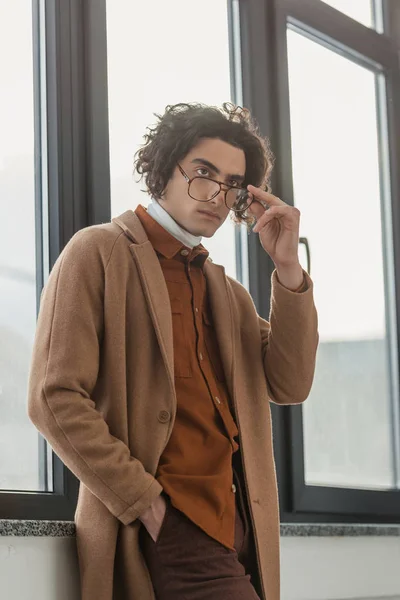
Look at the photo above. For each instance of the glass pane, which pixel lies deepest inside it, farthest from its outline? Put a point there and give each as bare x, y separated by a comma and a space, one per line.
18, 437
149, 68
348, 437
359, 10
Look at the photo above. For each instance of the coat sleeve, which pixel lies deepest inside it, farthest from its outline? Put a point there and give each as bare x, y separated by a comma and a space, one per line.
289, 342
63, 373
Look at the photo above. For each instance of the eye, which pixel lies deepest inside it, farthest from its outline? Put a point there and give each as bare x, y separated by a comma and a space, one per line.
234, 183
206, 174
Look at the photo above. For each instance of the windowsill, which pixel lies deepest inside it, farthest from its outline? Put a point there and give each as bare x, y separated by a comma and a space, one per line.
338, 530
19, 528
14, 527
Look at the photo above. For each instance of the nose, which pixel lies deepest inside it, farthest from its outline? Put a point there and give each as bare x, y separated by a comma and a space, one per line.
219, 198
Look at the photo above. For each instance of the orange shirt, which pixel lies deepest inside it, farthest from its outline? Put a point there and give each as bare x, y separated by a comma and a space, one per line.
195, 469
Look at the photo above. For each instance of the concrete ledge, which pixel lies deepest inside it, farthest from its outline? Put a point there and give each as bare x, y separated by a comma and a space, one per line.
14, 527
338, 530
18, 528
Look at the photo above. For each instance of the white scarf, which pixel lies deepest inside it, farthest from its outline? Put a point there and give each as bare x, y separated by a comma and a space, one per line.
162, 217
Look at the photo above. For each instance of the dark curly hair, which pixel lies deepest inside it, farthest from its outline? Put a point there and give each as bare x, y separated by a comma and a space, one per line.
183, 125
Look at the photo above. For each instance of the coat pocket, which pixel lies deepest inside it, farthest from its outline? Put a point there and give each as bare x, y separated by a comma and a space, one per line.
182, 366
166, 514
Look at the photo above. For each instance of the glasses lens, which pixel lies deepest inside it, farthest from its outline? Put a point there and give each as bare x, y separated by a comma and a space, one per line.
238, 200
203, 189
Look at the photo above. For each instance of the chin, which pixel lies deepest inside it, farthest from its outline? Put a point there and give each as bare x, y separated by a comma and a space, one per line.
193, 226
206, 232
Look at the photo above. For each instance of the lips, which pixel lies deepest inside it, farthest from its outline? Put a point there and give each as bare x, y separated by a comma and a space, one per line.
210, 214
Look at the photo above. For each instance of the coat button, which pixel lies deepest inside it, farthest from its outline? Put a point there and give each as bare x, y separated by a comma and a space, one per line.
163, 416
184, 252
233, 488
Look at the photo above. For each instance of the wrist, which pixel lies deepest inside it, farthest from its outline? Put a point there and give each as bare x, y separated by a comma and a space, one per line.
290, 276
148, 514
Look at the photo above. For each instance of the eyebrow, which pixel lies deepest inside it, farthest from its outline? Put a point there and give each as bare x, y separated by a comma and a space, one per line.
208, 164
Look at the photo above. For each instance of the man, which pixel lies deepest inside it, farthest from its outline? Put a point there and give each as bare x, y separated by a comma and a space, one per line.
152, 372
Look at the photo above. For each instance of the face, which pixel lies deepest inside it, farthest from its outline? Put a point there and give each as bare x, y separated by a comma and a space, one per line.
209, 158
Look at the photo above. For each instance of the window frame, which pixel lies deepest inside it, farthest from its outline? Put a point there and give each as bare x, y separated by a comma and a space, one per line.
71, 176
74, 49
266, 93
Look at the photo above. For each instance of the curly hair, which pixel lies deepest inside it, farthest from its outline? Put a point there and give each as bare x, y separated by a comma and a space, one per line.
183, 125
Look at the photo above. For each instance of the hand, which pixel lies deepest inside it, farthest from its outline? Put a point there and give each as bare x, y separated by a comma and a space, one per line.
278, 226
153, 517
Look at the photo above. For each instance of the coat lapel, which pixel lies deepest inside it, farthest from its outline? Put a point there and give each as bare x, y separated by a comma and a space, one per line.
157, 298
153, 284
156, 292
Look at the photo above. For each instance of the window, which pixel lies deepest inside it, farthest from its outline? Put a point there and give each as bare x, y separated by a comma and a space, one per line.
327, 94
19, 459
182, 55
60, 117
349, 434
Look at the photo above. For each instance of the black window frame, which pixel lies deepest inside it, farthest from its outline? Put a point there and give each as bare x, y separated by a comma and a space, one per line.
266, 92
78, 190
70, 79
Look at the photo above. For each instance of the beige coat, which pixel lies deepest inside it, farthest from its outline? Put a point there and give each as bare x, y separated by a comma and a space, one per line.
101, 391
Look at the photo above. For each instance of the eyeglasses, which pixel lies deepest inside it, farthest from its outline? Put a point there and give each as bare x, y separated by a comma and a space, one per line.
205, 189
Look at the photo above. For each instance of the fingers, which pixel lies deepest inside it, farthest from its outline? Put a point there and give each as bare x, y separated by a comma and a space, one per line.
264, 220
256, 209
289, 214
265, 197
275, 212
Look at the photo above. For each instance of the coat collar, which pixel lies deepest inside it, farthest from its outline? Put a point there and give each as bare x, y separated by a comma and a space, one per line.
131, 226
156, 292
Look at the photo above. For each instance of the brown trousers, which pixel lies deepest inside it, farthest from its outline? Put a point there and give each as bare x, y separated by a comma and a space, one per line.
187, 564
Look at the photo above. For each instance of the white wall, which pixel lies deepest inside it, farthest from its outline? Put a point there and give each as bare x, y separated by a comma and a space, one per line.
326, 568
45, 568
38, 568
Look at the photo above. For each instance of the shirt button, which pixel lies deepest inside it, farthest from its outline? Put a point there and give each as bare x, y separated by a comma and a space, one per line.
217, 400
184, 252
233, 488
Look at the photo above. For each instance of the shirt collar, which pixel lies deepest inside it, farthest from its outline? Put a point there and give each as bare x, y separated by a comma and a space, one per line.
166, 244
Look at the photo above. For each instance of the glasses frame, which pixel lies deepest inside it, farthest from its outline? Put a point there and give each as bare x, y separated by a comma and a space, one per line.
220, 183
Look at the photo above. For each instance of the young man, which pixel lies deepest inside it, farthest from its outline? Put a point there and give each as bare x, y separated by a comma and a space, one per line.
152, 372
